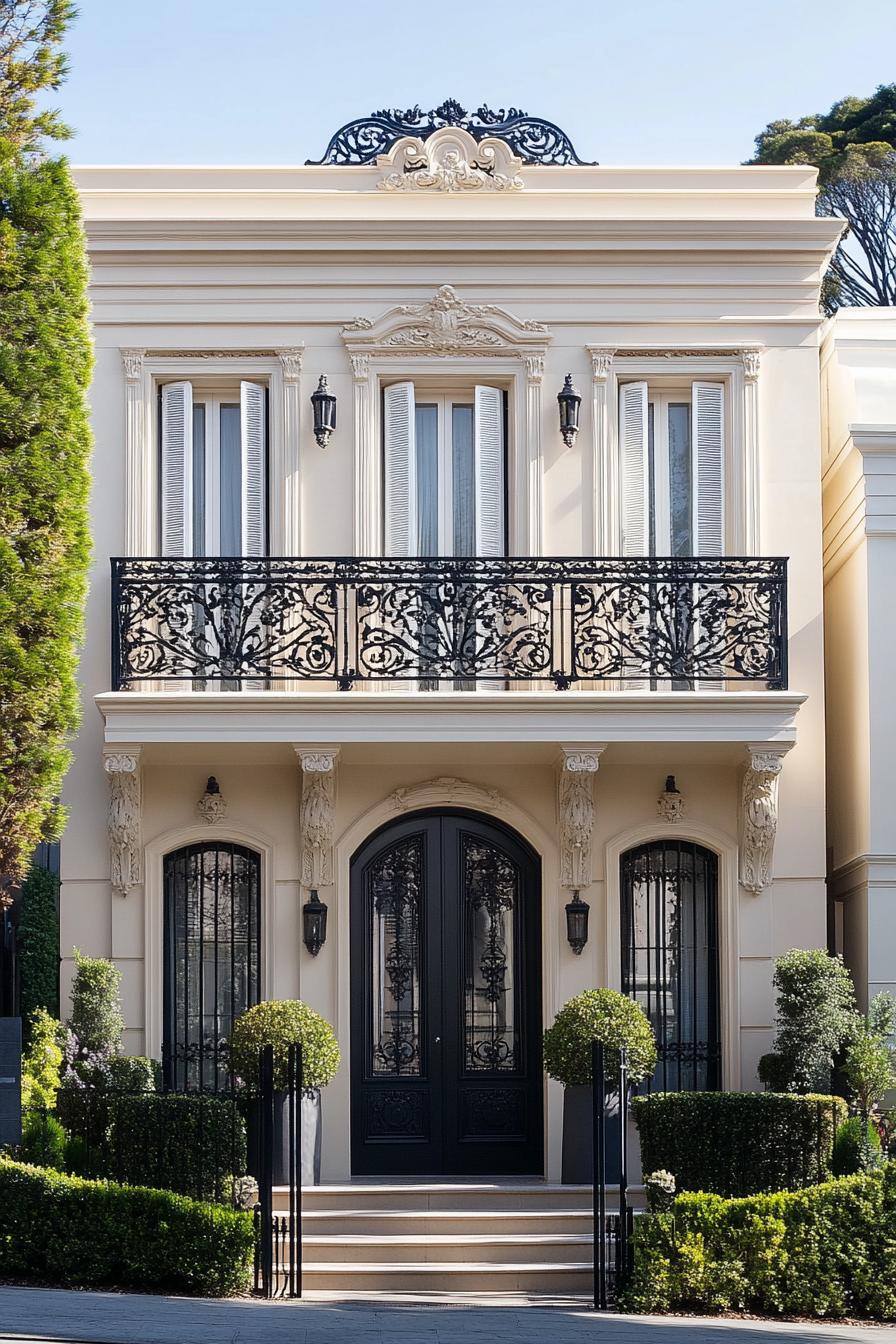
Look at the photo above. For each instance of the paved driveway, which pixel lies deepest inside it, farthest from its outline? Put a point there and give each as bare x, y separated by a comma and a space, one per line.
109, 1318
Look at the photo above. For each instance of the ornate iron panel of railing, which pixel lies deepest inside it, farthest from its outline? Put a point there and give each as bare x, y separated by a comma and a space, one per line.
670, 623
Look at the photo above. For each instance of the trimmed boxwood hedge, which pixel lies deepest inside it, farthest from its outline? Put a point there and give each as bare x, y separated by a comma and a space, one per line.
738, 1143
66, 1230
189, 1143
826, 1251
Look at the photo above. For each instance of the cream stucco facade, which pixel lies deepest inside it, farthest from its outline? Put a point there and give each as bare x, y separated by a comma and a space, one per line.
859, 415
218, 275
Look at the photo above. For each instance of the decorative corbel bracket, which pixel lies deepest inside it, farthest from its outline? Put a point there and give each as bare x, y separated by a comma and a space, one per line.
575, 799
317, 819
759, 814
125, 806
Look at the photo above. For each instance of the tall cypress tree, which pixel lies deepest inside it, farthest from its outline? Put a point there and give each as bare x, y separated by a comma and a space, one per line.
45, 366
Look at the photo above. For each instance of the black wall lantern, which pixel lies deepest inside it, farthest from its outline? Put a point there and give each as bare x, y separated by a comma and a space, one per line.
323, 402
577, 912
569, 402
314, 923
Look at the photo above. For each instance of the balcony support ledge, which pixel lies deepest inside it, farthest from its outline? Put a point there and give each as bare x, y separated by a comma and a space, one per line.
510, 717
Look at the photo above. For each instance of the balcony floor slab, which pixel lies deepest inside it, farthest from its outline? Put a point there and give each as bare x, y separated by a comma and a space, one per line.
370, 718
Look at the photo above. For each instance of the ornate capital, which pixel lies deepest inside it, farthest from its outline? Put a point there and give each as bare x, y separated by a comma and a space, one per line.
291, 363
317, 820
576, 814
123, 769
751, 360
317, 762
133, 364
534, 368
601, 362
360, 368
759, 815
450, 160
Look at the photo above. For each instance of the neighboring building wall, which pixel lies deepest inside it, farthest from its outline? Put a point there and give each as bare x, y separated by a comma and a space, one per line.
859, 417
663, 260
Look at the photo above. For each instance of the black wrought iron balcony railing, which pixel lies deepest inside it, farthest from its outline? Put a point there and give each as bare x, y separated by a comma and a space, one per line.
666, 623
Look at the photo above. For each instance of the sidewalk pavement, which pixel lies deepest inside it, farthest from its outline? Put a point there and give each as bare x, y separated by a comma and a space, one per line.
50, 1314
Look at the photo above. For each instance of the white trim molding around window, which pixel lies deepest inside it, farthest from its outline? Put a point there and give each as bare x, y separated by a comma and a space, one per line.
146, 371
449, 338
721, 386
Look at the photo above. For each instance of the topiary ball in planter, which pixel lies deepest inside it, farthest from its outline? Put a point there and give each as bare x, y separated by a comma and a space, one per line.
614, 1019
599, 1015
281, 1023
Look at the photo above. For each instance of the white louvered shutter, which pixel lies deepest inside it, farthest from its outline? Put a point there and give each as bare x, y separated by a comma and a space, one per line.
489, 470
633, 468
709, 474
253, 446
177, 469
401, 469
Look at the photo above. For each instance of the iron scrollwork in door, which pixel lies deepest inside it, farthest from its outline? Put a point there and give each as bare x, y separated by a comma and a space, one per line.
395, 894
491, 892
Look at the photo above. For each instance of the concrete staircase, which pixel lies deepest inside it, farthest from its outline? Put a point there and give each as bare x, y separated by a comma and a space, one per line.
500, 1240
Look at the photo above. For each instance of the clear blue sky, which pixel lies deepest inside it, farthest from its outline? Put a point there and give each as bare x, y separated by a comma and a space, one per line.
631, 81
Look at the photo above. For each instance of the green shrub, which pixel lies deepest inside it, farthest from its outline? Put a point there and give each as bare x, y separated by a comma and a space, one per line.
38, 944
816, 1018
869, 1063
826, 1251
281, 1023
738, 1143
134, 1073
43, 1140
95, 1017
192, 1144
856, 1147
41, 1061
66, 1230
599, 1015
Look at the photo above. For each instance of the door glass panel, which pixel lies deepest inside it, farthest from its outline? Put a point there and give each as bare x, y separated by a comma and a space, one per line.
426, 418
395, 924
463, 479
231, 482
491, 900
680, 485
652, 544
212, 910
670, 957
198, 479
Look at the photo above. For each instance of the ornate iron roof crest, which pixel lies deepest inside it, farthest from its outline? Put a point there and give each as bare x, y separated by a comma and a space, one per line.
532, 139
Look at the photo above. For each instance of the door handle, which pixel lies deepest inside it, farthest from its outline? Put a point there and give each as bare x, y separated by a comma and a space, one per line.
437, 1040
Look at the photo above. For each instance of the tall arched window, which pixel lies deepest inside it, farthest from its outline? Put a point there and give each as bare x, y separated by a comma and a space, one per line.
670, 957
212, 957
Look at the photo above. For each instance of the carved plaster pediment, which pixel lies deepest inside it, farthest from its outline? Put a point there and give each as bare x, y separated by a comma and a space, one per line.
450, 160
446, 789
446, 325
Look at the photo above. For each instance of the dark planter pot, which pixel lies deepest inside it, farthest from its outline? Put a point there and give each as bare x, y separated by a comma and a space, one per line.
578, 1138
309, 1127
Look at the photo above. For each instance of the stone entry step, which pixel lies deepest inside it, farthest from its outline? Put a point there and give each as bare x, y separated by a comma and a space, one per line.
526, 1238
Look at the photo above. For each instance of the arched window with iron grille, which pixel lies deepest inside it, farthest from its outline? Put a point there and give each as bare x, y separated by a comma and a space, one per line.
212, 893
670, 957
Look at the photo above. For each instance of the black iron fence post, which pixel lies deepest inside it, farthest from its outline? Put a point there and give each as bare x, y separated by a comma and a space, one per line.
266, 1166
622, 1252
598, 1085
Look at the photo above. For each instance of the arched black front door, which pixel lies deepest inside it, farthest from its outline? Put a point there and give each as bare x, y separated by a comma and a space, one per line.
446, 1000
